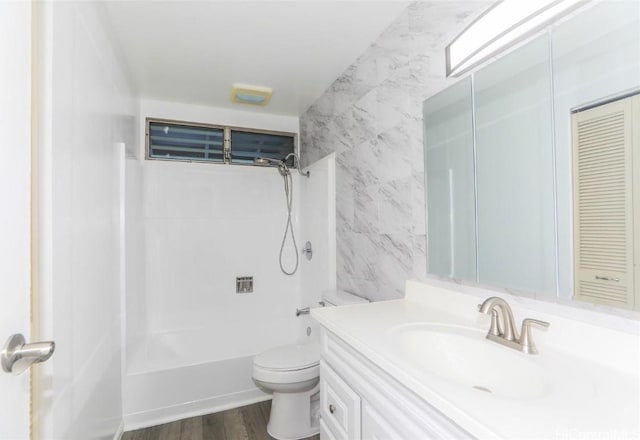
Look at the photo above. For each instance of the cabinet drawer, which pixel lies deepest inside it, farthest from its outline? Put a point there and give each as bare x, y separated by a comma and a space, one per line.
340, 405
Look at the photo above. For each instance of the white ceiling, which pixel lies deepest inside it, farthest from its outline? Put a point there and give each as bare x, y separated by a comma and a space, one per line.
193, 51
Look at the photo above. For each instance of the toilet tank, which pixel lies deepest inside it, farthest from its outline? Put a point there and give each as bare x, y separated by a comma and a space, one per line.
341, 298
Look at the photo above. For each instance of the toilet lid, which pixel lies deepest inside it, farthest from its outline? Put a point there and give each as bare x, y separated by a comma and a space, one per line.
289, 357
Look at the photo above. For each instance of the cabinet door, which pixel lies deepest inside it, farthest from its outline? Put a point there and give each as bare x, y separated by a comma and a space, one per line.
325, 432
448, 153
375, 427
603, 148
515, 172
339, 405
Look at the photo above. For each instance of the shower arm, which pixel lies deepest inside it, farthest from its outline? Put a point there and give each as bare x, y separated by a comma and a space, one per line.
296, 163
264, 161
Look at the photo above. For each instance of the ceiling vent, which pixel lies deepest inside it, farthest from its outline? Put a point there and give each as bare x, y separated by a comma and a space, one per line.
254, 95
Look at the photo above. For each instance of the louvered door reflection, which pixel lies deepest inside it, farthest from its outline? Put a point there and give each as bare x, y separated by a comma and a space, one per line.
603, 204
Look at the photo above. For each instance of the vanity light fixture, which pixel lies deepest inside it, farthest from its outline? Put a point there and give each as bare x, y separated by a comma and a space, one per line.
502, 25
254, 95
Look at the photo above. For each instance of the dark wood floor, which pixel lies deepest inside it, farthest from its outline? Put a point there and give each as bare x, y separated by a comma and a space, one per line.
245, 423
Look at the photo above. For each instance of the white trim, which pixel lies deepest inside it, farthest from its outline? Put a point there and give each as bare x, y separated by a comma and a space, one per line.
119, 432
158, 416
554, 161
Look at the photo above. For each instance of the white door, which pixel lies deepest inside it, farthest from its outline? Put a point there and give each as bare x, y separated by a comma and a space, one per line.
15, 150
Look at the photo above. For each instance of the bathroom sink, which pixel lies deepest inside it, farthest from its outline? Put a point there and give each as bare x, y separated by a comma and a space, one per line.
462, 355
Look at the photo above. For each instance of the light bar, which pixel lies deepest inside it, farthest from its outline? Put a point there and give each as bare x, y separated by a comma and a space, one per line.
499, 27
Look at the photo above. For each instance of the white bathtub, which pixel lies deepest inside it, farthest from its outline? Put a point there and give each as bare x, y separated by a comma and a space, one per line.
181, 374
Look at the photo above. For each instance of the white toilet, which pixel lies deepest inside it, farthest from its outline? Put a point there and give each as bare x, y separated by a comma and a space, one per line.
292, 373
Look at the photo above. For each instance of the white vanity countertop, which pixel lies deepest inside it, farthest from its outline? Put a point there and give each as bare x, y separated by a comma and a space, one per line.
594, 371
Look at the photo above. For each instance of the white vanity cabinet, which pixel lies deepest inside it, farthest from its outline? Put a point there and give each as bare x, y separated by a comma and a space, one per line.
360, 401
420, 368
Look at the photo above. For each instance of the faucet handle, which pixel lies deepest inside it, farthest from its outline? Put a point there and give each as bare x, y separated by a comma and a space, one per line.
525, 335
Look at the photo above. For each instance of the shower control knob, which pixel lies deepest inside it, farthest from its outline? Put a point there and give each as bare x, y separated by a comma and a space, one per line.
308, 250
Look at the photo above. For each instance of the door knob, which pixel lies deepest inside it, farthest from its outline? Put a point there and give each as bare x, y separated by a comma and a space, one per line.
17, 356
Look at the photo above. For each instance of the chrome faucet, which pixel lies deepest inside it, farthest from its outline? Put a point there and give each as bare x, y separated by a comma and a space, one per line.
503, 330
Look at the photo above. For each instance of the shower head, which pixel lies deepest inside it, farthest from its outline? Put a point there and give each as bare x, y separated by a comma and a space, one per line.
266, 161
282, 164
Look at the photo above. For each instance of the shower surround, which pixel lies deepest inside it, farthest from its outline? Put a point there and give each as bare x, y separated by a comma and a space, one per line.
371, 117
192, 228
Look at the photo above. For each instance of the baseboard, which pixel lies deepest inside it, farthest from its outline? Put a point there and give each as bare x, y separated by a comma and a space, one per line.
119, 432
172, 413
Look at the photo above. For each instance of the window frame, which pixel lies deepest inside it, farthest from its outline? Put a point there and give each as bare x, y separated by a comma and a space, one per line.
226, 140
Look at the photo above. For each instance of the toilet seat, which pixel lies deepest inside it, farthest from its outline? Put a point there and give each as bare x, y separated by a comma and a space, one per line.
289, 357
268, 376
288, 364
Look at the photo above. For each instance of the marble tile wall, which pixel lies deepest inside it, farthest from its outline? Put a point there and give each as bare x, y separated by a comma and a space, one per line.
371, 117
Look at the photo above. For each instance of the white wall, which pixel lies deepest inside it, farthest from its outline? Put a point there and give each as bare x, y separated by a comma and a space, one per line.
135, 327
85, 99
205, 225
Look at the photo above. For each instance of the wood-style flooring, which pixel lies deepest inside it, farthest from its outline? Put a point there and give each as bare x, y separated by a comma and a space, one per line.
245, 423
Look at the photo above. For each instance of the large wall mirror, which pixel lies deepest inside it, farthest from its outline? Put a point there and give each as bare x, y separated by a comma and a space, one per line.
501, 164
